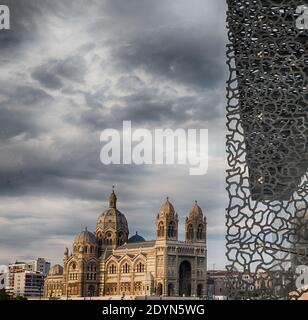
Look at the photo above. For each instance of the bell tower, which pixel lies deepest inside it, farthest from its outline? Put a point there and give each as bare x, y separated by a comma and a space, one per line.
167, 222
195, 225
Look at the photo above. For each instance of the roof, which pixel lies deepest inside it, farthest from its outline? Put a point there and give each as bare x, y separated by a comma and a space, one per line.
136, 245
56, 270
166, 208
85, 237
136, 238
195, 212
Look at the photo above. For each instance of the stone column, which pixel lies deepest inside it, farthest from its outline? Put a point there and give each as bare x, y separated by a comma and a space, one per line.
176, 287
194, 279
119, 280
164, 293
132, 289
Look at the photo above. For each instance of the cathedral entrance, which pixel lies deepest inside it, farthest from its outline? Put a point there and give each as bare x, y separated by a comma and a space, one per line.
159, 289
185, 279
170, 290
199, 290
91, 290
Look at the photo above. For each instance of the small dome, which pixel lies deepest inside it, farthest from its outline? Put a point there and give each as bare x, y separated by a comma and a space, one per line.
136, 238
56, 270
167, 208
195, 212
85, 237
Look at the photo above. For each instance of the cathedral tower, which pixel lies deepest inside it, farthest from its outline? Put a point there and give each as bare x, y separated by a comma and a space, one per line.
167, 222
195, 225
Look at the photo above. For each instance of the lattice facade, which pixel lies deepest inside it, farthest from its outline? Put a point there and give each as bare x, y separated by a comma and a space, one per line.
267, 145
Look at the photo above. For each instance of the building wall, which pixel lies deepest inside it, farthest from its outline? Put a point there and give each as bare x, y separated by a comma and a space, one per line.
158, 274
53, 287
28, 284
39, 265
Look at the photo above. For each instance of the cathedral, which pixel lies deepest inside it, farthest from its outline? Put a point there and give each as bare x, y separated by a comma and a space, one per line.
109, 263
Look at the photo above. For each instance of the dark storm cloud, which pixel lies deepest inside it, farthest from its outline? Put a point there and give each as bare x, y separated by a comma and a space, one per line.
47, 78
23, 95
22, 14
29, 23
20, 110
160, 38
157, 109
148, 106
158, 63
177, 54
27, 26
50, 74
13, 123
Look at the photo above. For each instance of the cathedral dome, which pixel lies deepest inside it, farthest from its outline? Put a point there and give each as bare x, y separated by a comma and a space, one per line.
112, 217
195, 212
166, 208
136, 238
56, 270
85, 237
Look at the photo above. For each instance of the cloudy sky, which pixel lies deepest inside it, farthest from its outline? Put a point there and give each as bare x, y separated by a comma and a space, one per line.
70, 69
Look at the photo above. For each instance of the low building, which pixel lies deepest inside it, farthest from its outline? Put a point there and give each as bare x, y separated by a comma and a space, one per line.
39, 265
53, 286
28, 284
216, 283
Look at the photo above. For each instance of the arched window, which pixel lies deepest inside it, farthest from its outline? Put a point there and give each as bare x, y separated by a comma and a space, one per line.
91, 267
171, 231
200, 232
86, 249
190, 232
108, 240
72, 272
91, 274
112, 269
125, 268
99, 237
140, 267
160, 231
120, 238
